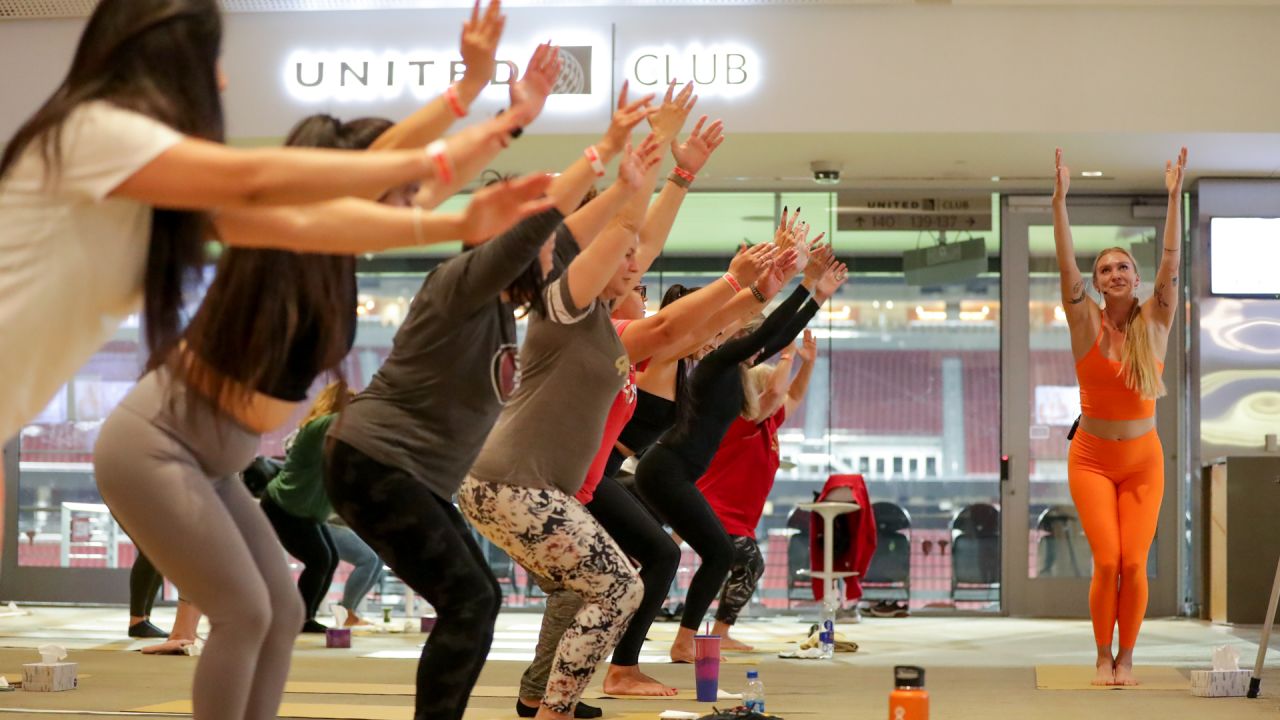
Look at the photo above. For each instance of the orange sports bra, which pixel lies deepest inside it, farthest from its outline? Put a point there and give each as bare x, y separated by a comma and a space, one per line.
1103, 394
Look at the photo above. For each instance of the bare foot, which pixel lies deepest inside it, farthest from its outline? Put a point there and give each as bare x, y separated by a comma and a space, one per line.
1124, 674
354, 620
682, 652
173, 646
628, 680
734, 645
1106, 674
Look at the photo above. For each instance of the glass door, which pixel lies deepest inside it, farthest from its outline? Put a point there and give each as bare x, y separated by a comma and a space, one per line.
1048, 565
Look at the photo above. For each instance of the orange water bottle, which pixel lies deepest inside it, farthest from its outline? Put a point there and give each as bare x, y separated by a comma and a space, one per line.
909, 700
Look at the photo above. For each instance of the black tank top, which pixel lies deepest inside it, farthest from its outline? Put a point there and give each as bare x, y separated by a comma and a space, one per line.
654, 415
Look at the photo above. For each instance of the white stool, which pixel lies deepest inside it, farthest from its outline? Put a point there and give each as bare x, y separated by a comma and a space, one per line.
829, 512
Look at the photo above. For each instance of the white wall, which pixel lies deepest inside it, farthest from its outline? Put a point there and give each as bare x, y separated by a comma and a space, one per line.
824, 69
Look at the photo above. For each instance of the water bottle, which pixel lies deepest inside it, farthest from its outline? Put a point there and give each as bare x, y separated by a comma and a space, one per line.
753, 695
909, 700
827, 628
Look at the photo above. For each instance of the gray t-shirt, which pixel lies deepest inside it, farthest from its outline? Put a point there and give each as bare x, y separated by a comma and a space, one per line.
572, 366
452, 365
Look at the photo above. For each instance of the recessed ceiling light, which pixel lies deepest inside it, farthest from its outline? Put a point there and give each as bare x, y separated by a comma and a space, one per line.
995, 178
1091, 173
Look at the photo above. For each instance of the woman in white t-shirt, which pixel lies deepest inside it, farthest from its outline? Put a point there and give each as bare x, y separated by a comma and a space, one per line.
107, 191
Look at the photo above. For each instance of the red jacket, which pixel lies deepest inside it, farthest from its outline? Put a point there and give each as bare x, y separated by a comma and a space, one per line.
862, 529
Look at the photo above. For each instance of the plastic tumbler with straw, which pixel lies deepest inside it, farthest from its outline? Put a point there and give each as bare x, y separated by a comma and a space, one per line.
706, 665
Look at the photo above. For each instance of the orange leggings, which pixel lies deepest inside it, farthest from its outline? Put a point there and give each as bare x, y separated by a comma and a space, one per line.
1117, 486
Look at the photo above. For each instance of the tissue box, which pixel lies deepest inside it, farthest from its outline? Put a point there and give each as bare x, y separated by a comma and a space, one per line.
49, 677
1219, 683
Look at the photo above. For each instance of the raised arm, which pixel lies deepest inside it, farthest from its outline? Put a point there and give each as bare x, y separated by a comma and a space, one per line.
528, 96
665, 330
572, 185
740, 349
350, 226
1076, 302
590, 272
1164, 302
691, 156
201, 175
480, 36
800, 385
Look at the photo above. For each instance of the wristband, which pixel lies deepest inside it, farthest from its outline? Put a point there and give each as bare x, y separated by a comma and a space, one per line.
437, 152
418, 239
515, 131
455, 103
733, 282
593, 156
678, 180
688, 176
759, 295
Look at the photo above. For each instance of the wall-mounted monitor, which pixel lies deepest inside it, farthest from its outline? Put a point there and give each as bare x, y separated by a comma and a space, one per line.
1244, 257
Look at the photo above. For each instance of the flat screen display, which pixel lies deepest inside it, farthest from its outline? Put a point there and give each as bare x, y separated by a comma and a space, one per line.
1244, 257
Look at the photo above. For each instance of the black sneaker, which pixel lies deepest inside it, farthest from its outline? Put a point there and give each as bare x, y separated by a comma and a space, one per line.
583, 710
311, 626
145, 629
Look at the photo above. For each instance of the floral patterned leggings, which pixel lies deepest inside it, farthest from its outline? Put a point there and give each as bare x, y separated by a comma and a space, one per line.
554, 536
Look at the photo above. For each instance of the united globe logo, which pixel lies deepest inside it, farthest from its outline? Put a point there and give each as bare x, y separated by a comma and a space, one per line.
575, 71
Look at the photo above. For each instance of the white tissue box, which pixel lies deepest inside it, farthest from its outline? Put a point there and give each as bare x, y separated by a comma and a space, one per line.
49, 677
1220, 683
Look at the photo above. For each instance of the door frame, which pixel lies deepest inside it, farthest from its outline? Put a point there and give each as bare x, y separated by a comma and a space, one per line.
1024, 596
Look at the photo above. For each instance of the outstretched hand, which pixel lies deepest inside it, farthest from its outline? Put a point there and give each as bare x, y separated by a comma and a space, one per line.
809, 347
480, 36
820, 258
750, 263
1061, 177
784, 236
693, 153
496, 208
625, 118
637, 161
831, 281
529, 94
669, 118
1173, 173
784, 266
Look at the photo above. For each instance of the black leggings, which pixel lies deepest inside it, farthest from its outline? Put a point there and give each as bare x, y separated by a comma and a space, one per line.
642, 538
311, 543
667, 484
424, 539
144, 583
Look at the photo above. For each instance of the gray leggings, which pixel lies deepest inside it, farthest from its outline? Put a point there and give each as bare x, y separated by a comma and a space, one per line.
166, 464
367, 566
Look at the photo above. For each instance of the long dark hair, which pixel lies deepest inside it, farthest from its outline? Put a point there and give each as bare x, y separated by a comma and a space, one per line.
157, 58
262, 301
684, 402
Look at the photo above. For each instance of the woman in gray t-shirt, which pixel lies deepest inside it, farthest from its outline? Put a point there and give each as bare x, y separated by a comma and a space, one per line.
520, 490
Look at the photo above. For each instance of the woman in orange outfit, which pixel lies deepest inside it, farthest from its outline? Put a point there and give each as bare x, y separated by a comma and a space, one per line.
1116, 464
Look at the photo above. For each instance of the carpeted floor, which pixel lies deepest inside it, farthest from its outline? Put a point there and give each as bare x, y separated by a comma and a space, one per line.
977, 668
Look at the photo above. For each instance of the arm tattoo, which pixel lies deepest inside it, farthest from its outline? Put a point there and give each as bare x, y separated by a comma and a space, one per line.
1077, 293
1161, 300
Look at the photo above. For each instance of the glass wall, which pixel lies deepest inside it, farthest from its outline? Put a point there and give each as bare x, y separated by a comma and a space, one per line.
905, 392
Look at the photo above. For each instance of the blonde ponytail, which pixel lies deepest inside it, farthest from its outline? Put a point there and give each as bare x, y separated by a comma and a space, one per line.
330, 400
754, 382
1137, 359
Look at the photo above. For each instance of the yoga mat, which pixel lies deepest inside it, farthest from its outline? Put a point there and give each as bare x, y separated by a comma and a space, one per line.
1079, 677
343, 688
318, 711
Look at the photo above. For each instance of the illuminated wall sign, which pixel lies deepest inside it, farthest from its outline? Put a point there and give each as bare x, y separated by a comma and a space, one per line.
721, 70
350, 75
364, 76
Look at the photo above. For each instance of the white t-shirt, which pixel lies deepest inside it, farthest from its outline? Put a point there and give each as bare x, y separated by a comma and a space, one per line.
72, 260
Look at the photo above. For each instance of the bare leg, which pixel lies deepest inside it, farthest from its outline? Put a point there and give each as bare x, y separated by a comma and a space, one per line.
682, 648
1124, 668
1106, 674
183, 633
